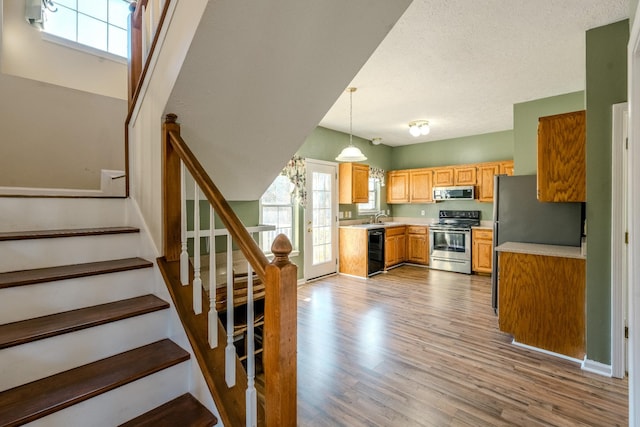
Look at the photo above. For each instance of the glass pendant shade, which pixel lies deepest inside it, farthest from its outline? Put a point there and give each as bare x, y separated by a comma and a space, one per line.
351, 153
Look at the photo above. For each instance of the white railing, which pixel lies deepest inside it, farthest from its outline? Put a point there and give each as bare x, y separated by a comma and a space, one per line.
210, 234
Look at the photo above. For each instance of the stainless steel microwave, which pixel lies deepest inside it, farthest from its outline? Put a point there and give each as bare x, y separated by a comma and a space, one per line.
465, 192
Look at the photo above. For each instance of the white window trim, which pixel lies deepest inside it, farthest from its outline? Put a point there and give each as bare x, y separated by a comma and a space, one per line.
377, 208
295, 219
83, 48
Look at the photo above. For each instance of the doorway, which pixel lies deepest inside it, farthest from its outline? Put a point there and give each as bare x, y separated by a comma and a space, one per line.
619, 253
321, 219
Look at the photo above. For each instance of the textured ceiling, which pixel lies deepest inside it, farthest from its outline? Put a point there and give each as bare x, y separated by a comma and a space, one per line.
463, 64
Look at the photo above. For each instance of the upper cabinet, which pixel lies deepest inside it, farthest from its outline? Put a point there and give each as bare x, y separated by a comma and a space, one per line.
443, 176
506, 167
561, 158
354, 183
420, 185
410, 186
464, 175
398, 186
485, 181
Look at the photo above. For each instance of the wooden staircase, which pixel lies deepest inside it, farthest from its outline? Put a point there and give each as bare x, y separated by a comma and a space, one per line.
84, 342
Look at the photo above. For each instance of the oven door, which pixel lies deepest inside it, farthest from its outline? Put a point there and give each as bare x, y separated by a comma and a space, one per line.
450, 243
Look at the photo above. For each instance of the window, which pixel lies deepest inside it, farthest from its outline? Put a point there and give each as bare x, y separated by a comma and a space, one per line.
277, 208
373, 205
98, 24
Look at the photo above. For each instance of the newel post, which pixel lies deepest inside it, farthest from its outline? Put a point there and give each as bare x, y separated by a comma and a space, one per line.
280, 336
171, 187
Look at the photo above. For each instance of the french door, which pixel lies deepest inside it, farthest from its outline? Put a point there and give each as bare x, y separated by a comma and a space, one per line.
321, 219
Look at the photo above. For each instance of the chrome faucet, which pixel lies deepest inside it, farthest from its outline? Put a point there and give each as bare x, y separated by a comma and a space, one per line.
376, 217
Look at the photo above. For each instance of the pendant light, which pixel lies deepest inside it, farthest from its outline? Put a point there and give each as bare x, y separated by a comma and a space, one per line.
351, 153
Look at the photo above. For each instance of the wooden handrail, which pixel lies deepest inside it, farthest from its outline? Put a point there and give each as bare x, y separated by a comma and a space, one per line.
279, 276
241, 237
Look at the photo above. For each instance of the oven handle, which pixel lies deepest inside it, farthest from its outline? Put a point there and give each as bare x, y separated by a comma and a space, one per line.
457, 230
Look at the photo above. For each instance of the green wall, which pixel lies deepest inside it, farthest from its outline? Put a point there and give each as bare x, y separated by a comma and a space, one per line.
456, 151
606, 84
525, 125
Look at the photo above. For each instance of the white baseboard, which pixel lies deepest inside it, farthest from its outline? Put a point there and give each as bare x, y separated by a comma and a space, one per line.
551, 353
596, 367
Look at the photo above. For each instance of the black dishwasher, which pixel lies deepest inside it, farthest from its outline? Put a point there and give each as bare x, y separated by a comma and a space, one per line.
376, 251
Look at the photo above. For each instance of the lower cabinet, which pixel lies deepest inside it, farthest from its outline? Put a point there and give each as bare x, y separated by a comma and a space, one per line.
542, 301
481, 250
418, 245
395, 244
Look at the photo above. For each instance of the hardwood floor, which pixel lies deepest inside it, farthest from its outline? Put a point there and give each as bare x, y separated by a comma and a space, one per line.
420, 347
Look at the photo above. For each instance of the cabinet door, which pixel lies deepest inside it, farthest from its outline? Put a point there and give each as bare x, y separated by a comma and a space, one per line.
561, 158
442, 177
506, 167
421, 187
353, 186
398, 187
417, 248
401, 248
465, 175
485, 181
390, 253
360, 186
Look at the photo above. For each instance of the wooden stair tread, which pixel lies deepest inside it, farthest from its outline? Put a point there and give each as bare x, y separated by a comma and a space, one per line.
69, 232
49, 274
37, 399
21, 332
183, 411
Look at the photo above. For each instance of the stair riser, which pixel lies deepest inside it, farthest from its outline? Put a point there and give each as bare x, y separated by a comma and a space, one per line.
123, 403
19, 214
25, 302
40, 253
29, 362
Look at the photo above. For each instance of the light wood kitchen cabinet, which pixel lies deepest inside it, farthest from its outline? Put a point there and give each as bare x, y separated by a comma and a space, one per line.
353, 251
354, 183
561, 157
506, 167
395, 244
420, 185
443, 177
418, 244
542, 301
486, 172
398, 186
464, 175
482, 250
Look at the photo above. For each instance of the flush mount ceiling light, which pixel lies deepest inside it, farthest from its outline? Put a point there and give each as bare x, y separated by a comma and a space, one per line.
419, 127
376, 141
351, 153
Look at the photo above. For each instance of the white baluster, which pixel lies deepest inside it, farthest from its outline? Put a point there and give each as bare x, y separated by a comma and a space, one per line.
230, 350
251, 401
184, 255
213, 312
197, 281
143, 32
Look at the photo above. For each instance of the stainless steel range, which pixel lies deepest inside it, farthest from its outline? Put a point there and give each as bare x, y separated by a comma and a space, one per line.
450, 241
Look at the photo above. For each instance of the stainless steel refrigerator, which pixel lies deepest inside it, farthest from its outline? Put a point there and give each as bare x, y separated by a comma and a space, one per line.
518, 216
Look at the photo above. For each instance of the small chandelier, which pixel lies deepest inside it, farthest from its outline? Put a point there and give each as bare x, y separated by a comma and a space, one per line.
419, 127
351, 153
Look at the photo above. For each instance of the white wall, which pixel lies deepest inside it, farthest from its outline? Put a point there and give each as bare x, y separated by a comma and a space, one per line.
25, 54
146, 124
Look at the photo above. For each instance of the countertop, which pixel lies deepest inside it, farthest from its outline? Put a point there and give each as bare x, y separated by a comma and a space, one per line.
545, 250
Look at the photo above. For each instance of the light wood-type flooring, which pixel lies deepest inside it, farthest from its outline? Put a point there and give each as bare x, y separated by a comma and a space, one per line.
420, 347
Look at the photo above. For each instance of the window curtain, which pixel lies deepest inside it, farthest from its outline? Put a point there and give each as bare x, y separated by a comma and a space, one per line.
296, 171
378, 174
